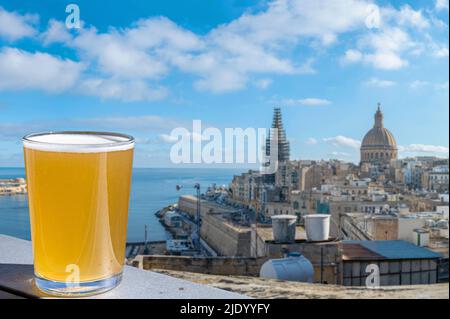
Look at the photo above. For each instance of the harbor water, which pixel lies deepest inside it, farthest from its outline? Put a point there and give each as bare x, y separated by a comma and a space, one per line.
152, 189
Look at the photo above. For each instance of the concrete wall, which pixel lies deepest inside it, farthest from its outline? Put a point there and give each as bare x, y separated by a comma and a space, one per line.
327, 271
325, 258
406, 228
188, 204
392, 272
224, 238
236, 266
383, 228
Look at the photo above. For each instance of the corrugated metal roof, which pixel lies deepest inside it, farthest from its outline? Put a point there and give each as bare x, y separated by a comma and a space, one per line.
391, 249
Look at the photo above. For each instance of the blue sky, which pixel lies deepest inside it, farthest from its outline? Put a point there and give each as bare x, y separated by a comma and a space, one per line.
146, 67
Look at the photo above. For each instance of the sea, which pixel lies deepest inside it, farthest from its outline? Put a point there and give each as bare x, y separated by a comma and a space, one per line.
151, 190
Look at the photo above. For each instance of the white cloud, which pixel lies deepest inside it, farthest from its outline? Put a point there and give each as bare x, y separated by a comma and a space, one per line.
343, 141
125, 90
352, 56
383, 49
24, 70
441, 5
56, 33
418, 84
144, 123
114, 55
195, 137
386, 48
20, 70
339, 155
410, 17
307, 101
376, 82
311, 141
229, 56
166, 138
128, 63
263, 83
14, 26
307, 67
441, 52
442, 86
423, 148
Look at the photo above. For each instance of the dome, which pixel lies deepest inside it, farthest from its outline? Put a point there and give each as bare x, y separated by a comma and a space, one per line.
379, 136
378, 145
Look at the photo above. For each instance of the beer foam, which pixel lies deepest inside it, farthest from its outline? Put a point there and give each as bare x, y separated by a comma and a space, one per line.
78, 143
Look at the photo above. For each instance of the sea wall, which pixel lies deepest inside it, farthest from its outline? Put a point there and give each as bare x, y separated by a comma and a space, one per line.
225, 238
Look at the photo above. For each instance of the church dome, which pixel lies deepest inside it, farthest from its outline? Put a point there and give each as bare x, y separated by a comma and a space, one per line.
379, 136
378, 145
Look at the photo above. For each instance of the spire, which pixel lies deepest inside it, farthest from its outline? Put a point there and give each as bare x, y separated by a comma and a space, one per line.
379, 116
277, 121
283, 144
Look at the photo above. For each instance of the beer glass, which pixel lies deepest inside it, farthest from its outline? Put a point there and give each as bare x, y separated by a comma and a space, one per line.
78, 192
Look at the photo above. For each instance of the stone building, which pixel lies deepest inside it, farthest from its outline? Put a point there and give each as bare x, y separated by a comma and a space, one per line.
378, 145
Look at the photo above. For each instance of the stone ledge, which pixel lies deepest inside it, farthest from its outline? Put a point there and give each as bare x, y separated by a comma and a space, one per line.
16, 273
268, 288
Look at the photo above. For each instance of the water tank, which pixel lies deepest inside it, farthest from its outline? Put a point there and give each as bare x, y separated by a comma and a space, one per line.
295, 267
317, 227
430, 223
283, 227
421, 237
442, 223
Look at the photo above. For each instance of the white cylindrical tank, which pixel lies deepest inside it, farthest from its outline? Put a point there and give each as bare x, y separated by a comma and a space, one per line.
283, 227
317, 227
442, 223
430, 223
293, 268
422, 237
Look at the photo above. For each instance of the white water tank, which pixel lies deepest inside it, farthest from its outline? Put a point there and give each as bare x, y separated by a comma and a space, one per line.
442, 223
422, 237
317, 227
283, 228
430, 223
295, 267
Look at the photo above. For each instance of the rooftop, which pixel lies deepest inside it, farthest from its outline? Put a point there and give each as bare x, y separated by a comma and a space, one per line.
269, 288
384, 249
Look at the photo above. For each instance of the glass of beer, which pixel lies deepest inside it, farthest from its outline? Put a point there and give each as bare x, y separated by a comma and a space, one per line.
78, 193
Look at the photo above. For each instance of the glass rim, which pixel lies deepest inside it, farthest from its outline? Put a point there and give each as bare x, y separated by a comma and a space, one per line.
128, 138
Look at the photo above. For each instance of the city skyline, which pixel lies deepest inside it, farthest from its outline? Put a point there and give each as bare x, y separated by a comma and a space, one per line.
160, 66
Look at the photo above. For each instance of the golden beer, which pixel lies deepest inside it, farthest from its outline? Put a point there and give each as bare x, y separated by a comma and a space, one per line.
78, 191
